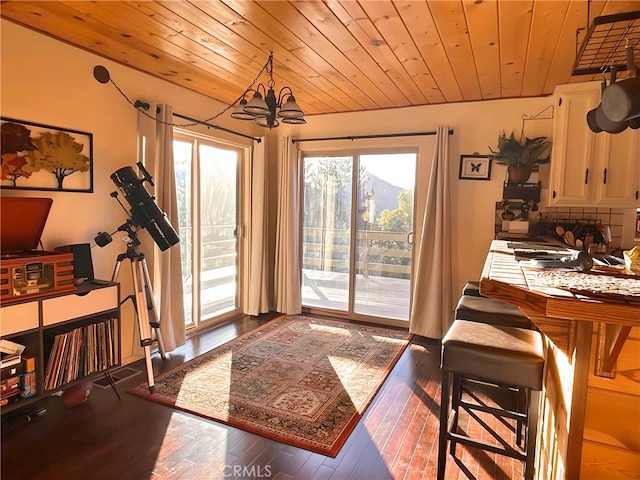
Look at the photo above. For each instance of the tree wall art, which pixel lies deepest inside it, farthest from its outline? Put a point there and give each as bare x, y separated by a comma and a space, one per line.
41, 157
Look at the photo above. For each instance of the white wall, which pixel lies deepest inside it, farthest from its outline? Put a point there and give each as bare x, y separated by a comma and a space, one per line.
48, 82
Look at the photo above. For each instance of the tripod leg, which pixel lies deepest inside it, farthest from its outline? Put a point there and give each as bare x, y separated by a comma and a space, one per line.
151, 307
143, 318
108, 376
116, 271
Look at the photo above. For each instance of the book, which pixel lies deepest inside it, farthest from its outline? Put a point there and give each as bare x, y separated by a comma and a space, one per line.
10, 387
9, 360
4, 401
11, 348
10, 353
11, 371
28, 384
29, 363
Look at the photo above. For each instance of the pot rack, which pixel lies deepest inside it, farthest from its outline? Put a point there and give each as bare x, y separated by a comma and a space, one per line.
603, 48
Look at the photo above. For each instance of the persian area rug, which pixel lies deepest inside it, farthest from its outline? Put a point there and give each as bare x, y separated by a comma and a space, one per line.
299, 380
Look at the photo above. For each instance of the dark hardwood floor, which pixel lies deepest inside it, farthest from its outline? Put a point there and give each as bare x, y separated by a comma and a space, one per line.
133, 438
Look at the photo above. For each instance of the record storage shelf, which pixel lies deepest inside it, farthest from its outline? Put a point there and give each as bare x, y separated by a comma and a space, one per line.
36, 322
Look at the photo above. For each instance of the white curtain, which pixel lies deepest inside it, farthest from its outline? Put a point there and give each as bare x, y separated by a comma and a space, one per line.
287, 262
156, 148
431, 310
258, 295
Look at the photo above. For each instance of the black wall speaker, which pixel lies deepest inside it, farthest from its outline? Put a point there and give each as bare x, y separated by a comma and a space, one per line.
82, 262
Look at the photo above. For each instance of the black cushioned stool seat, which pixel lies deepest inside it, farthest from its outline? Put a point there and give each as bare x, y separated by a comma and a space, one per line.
494, 312
472, 289
491, 355
489, 310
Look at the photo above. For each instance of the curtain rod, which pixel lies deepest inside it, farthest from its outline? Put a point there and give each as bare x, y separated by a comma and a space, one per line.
145, 105
217, 127
359, 137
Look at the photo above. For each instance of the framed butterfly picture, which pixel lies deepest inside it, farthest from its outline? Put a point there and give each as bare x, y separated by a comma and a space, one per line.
475, 167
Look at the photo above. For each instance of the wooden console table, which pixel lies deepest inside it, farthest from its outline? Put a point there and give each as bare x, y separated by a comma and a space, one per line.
591, 413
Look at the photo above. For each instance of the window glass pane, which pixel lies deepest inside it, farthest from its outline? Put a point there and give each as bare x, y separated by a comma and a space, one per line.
218, 220
326, 232
182, 159
386, 186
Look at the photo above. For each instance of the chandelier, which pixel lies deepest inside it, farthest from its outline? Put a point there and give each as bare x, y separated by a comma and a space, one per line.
265, 108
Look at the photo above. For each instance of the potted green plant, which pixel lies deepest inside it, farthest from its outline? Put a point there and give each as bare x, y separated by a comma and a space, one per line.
520, 157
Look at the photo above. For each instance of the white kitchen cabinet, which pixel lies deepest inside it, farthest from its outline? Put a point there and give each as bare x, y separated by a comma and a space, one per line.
590, 168
617, 183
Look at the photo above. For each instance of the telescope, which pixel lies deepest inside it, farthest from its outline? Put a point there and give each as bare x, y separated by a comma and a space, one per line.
144, 211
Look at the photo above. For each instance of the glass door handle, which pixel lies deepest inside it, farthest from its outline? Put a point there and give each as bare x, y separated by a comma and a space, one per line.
410, 238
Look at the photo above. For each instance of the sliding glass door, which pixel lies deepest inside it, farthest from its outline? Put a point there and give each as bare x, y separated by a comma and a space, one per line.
357, 225
207, 182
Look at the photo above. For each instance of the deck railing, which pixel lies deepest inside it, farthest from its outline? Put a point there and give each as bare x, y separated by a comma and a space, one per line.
381, 253
384, 254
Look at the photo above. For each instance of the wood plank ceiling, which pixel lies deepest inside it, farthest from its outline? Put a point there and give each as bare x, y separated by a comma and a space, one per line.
336, 56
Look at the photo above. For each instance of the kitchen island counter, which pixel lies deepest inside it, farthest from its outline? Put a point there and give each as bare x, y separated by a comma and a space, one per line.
591, 324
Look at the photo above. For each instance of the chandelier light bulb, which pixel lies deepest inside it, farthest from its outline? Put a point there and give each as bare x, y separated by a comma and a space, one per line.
290, 109
294, 120
257, 106
268, 121
240, 114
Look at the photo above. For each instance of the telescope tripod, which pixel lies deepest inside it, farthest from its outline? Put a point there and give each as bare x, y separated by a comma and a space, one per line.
144, 304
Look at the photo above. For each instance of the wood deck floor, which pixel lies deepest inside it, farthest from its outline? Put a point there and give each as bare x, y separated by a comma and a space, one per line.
137, 439
374, 295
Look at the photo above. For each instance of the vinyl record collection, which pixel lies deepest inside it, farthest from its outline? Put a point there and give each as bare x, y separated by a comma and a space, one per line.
81, 352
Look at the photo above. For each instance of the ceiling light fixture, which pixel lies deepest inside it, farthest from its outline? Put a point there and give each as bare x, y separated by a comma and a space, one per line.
265, 108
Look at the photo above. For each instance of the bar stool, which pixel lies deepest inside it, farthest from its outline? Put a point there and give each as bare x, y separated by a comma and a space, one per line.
494, 312
472, 289
493, 355
489, 310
